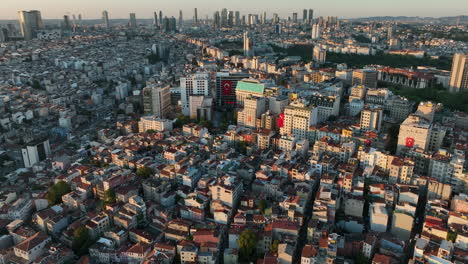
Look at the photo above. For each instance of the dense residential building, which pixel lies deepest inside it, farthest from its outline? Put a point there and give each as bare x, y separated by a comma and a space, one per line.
365, 77
166, 140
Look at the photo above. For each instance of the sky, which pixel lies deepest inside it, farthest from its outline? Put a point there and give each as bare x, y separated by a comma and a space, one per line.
92, 9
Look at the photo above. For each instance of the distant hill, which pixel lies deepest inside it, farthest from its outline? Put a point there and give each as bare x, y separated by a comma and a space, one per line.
416, 19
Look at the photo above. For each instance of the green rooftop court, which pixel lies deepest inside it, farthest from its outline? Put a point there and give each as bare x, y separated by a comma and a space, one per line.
253, 87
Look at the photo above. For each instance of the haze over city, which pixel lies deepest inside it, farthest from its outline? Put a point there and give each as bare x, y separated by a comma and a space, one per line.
233, 132
90, 9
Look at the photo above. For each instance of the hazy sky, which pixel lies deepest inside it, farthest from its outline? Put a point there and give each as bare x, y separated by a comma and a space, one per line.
144, 8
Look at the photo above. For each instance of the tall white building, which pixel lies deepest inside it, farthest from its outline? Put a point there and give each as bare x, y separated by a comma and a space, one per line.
371, 118
254, 107
156, 99
297, 120
35, 152
459, 73
195, 84
319, 55
105, 19
133, 22
248, 44
316, 31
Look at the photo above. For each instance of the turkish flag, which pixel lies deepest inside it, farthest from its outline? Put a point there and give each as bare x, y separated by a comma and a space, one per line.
281, 120
226, 87
409, 142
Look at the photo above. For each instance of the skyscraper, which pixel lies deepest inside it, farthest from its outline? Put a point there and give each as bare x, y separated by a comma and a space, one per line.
237, 18
264, 19
216, 20
275, 18
30, 22
195, 16
311, 16
294, 17
248, 44
160, 18
224, 14
390, 32
459, 73
181, 19
230, 20
155, 19
133, 22
105, 19
66, 22
304, 15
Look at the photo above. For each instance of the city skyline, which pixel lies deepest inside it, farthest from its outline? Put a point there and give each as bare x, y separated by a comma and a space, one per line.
54, 9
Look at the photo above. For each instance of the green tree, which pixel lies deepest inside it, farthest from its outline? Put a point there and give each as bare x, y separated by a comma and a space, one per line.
247, 245
262, 205
361, 259
393, 132
55, 193
144, 172
241, 147
37, 85
181, 120
274, 246
109, 196
205, 123
81, 241
451, 236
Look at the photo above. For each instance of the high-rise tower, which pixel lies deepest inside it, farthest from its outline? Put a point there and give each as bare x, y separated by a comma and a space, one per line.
459, 73
105, 19
30, 22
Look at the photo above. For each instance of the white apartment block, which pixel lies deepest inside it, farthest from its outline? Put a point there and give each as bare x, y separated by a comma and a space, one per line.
298, 119
195, 84
154, 123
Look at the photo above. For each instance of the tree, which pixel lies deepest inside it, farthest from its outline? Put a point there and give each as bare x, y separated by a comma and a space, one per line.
262, 205
393, 132
241, 147
144, 172
205, 123
181, 120
247, 245
54, 196
274, 246
361, 259
81, 241
109, 196
37, 85
451, 236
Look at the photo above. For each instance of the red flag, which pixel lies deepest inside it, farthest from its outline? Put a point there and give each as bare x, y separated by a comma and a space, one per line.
281, 120
226, 87
409, 142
